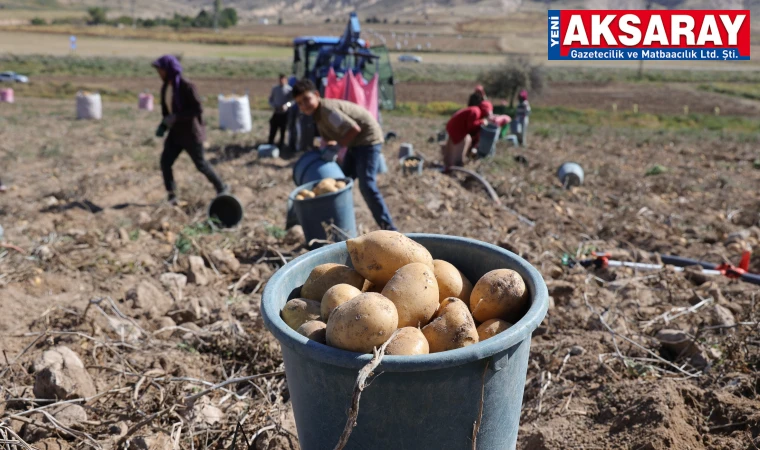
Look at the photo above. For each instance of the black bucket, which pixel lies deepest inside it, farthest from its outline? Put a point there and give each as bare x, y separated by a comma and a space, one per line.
227, 209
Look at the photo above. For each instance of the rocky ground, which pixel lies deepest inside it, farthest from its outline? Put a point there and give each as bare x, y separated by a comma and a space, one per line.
151, 316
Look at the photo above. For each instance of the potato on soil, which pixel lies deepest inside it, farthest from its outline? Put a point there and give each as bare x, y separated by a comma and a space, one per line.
451, 282
491, 328
336, 296
314, 330
414, 291
379, 254
408, 341
325, 276
362, 323
452, 329
499, 294
299, 311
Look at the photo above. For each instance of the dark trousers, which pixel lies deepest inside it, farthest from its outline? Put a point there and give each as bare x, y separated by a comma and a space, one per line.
363, 163
278, 122
172, 151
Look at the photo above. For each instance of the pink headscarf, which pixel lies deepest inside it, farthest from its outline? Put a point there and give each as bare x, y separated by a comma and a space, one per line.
523, 95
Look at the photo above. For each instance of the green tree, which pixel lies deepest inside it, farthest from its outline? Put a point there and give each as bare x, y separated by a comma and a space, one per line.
97, 15
228, 18
507, 80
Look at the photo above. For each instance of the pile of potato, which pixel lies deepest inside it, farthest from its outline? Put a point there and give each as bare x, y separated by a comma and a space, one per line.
411, 163
397, 285
325, 186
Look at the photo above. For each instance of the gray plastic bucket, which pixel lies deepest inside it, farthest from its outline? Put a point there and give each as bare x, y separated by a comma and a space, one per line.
268, 151
412, 170
424, 402
405, 150
570, 174
311, 167
336, 208
227, 209
489, 134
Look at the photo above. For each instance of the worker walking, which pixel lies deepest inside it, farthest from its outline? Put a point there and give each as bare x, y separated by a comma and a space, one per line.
280, 102
183, 117
352, 126
464, 133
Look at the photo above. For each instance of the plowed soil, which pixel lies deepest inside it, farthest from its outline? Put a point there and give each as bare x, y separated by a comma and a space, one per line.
86, 206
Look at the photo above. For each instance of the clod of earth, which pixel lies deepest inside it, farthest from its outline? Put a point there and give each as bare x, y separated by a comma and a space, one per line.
60, 374
225, 261
68, 415
150, 299
197, 272
173, 281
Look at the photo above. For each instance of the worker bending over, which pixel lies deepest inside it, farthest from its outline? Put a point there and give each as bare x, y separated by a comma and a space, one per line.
352, 126
464, 133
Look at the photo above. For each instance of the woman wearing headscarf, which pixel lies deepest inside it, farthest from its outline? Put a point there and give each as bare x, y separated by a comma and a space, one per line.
478, 96
464, 133
183, 117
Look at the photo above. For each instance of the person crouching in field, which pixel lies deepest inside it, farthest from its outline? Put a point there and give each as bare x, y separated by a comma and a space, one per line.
352, 126
464, 133
183, 117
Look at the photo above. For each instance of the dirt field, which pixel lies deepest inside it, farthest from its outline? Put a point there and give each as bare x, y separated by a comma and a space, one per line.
85, 204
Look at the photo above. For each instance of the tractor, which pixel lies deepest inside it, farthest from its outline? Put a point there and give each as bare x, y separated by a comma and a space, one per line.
313, 56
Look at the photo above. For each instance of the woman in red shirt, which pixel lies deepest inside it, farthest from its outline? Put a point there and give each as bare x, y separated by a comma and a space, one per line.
464, 133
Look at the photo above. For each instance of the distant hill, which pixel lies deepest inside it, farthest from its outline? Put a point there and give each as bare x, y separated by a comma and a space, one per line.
417, 10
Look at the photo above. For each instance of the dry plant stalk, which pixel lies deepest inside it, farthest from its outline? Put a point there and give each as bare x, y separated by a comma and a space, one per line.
359, 386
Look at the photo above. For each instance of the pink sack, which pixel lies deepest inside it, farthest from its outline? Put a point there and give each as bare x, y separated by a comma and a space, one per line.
354, 90
145, 102
335, 88
6, 95
370, 96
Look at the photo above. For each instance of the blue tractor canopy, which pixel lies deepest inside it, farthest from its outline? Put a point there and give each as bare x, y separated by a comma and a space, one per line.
313, 57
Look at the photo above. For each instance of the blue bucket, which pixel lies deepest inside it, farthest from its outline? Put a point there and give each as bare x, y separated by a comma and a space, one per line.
424, 402
311, 167
336, 208
570, 174
489, 134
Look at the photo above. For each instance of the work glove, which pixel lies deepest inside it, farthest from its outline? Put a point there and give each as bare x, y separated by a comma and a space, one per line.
161, 130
